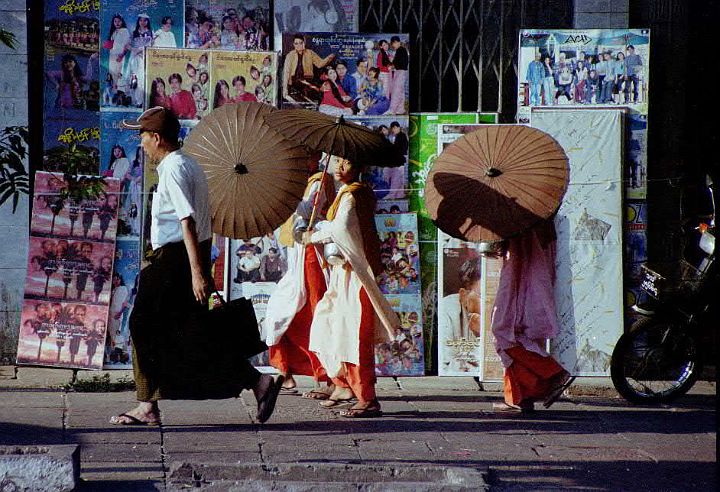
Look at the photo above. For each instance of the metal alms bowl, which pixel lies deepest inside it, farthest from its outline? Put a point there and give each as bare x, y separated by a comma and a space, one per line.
333, 255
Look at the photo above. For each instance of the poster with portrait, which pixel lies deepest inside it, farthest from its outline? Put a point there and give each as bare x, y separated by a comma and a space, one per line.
67, 140
346, 74
232, 25
467, 287
122, 158
68, 282
422, 131
179, 79
127, 28
125, 277
243, 76
583, 67
259, 294
404, 355
399, 253
293, 16
62, 334
259, 259
63, 218
391, 207
71, 64
636, 156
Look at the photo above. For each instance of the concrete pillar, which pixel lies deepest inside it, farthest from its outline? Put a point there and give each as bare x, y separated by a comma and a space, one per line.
601, 14
13, 224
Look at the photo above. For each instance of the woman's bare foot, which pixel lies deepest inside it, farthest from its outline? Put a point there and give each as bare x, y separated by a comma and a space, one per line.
289, 382
146, 413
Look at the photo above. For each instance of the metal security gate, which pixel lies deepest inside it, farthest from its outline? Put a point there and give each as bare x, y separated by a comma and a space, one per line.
464, 52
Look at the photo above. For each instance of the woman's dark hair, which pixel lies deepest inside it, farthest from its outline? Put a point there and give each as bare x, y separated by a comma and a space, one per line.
76, 71
112, 154
112, 24
334, 87
216, 97
384, 58
136, 32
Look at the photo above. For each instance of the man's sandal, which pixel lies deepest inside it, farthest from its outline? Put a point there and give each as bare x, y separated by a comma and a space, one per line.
316, 394
557, 392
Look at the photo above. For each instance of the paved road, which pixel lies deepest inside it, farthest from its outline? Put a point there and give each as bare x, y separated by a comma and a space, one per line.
582, 443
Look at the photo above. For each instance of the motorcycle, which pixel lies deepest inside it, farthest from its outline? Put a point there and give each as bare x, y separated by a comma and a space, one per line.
661, 356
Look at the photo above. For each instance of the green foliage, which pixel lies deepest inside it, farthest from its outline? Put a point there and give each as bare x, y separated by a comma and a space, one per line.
14, 179
101, 384
8, 39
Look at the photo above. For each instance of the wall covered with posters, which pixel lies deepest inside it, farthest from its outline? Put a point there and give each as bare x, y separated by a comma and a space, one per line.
14, 178
589, 223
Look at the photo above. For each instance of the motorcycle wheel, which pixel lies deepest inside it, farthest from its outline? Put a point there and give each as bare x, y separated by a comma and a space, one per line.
655, 362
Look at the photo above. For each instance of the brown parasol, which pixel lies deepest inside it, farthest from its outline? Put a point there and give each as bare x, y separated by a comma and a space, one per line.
335, 136
496, 182
256, 177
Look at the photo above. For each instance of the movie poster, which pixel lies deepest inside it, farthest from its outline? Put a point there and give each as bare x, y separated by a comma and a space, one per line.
388, 183
68, 281
259, 259
422, 152
583, 67
122, 158
259, 294
404, 354
179, 80
636, 156
56, 217
72, 88
76, 141
348, 74
293, 16
69, 270
219, 260
230, 25
127, 28
391, 207
399, 253
635, 239
125, 277
467, 287
247, 76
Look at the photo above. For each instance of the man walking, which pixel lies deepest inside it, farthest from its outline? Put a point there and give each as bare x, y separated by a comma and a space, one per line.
173, 289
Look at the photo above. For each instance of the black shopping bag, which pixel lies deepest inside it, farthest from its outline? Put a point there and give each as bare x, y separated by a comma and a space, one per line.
236, 320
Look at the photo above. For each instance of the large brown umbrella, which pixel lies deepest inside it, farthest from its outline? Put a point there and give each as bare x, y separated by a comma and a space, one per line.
256, 177
496, 182
336, 136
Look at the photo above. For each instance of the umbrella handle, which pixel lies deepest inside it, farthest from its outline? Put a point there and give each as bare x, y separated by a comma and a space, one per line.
313, 215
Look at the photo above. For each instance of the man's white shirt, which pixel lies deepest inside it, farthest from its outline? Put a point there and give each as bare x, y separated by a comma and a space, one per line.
182, 192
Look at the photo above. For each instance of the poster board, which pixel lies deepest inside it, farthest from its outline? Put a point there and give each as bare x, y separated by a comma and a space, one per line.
291, 16
589, 223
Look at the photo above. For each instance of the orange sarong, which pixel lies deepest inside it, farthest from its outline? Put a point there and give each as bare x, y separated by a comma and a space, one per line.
361, 378
291, 354
530, 377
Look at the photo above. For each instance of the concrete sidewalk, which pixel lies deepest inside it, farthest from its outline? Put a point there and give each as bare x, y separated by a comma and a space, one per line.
430, 425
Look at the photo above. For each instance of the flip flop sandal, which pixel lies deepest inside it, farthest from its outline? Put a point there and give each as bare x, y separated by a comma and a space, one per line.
511, 409
266, 405
288, 391
316, 395
557, 392
361, 413
333, 403
125, 419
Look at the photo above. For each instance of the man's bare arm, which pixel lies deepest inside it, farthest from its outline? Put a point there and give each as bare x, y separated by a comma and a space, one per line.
199, 282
